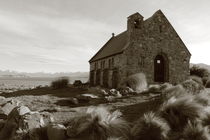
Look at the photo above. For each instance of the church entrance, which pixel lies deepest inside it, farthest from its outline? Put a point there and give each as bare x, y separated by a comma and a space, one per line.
160, 69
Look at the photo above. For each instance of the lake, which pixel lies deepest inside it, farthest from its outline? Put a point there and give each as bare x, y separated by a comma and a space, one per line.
10, 84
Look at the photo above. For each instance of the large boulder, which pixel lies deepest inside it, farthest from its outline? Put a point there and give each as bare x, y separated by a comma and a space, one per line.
22, 122
2, 100
7, 106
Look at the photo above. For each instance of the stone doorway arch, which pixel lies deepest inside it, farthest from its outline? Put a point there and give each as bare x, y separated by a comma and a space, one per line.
161, 68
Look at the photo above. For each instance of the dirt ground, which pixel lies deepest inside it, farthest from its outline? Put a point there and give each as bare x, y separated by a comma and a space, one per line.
56, 102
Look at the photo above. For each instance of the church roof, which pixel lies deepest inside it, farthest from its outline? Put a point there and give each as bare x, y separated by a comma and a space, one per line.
115, 45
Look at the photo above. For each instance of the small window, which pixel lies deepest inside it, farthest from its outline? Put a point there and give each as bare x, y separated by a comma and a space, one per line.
96, 65
109, 63
136, 24
112, 62
160, 28
158, 61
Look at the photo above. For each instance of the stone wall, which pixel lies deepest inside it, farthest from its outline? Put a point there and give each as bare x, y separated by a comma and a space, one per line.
157, 37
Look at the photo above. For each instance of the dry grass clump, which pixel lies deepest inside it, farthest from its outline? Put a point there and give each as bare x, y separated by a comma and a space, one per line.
195, 131
150, 127
202, 98
137, 82
197, 79
177, 112
192, 87
98, 123
174, 91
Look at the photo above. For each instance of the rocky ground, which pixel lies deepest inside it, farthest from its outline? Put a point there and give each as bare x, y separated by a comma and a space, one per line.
60, 104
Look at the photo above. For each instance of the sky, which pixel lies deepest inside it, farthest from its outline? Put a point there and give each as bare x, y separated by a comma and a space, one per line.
62, 35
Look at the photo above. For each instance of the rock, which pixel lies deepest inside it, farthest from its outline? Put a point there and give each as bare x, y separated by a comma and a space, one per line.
104, 92
6, 109
56, 132
126, 91
83, 99
110, 98
114, 92
21, 122
23, 110
73, 101
2, 100
89, 95
118, 94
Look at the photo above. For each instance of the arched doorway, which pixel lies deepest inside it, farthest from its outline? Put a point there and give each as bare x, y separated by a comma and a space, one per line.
160, 68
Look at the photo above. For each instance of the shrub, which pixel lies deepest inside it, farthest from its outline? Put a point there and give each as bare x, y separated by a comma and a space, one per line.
207, 84
60, 83
137, 82
200, 72
77, 83
197, 79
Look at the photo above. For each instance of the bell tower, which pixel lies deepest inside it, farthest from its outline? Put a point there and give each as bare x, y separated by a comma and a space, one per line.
134, 22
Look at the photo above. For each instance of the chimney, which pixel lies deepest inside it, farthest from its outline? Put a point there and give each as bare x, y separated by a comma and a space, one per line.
112, 34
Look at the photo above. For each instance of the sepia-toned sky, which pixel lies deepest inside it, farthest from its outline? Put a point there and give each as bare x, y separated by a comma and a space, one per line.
62, 35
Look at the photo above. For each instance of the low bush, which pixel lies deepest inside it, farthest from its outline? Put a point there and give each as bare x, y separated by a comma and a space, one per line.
200, 72
60, 83
137, 82
77, 83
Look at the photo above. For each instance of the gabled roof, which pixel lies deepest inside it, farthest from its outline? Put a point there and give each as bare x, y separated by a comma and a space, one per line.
114, 45
117, 44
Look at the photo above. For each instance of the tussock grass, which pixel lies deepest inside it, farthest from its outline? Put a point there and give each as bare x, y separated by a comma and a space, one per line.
150, 127
192, 86
137, 82
177, 112
195, 131
98, 123
197, 79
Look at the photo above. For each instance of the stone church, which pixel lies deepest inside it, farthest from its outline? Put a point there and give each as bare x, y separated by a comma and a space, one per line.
150, 46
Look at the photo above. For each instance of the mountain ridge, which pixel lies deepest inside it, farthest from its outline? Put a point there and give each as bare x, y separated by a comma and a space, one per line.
8, 73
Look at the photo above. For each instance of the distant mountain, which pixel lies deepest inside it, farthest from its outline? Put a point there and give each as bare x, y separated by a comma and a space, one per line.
8, 73
202, 65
